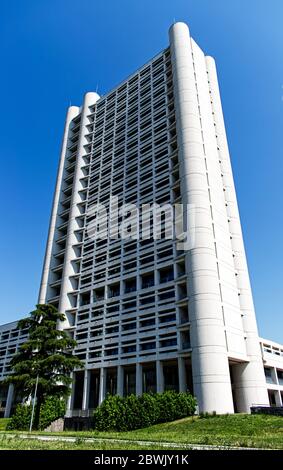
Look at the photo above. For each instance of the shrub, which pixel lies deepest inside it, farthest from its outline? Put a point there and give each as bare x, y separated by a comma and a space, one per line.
174, 405
21, 418
132, 412
150, 409
53, 408
111, 414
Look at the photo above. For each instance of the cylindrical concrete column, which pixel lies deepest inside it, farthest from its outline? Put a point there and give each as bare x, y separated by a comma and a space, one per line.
72, 112
9, 401
278, 399
209, 352
159, 377
139, 378
120, 381
249, 381
68, 270
102, 385
182, 374
86, 389
71, 397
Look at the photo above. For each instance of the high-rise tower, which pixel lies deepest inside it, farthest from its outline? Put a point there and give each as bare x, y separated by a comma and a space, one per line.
147, 315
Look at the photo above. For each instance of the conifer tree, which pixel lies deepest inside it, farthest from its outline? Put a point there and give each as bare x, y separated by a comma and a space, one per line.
46, 358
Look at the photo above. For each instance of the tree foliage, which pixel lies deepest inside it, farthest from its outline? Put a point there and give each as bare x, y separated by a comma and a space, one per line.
46, 357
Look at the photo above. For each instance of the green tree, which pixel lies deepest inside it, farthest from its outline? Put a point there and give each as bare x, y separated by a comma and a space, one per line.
46, 358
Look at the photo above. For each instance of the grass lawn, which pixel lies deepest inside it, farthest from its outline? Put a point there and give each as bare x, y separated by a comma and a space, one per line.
16, 443
229, 430
3, 423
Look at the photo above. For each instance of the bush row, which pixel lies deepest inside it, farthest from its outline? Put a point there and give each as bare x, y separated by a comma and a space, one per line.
52, 409
132, 412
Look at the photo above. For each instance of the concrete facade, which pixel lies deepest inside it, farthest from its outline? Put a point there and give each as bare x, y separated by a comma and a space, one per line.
11, 338
272, 355
145, 314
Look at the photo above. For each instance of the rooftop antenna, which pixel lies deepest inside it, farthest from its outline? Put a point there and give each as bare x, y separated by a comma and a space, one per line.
96, 90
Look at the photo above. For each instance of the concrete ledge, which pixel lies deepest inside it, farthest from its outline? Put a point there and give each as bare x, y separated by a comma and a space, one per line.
78, 423
267, 410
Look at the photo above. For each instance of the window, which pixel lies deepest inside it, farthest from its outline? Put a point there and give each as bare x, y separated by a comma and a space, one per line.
111, 352
147, 300
147, 322
129, 326
168, 342
280, 376
146, 346
112, 329
268, 375
166, 295
147, 280
85, 298
167, 318
129, 349
98, 294
166, 275
114, 290
130, 285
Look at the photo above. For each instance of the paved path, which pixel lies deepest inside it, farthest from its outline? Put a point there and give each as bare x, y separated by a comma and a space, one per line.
170, 445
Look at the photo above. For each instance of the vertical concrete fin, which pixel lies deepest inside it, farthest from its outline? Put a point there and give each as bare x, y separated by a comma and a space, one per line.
72, 112
210, 364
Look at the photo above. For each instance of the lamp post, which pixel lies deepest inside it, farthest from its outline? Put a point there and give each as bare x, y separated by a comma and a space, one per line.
33, 404
35, 391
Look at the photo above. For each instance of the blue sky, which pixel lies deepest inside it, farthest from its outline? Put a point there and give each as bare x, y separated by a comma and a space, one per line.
53, 51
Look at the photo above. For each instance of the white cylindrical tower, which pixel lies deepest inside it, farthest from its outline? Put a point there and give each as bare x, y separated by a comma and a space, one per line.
211, 376
72, 112
249, 380
67, 287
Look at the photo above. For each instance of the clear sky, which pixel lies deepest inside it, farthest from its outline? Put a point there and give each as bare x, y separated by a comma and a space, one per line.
53, 51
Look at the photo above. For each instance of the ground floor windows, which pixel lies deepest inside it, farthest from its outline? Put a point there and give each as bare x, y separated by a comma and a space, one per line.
149, 379
91, 386
94, 389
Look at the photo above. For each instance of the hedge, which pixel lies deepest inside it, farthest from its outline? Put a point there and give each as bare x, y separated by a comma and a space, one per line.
53, 408
132, 412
